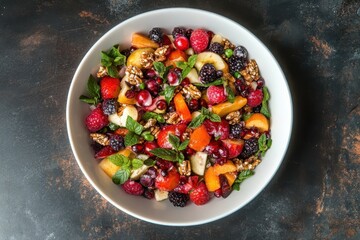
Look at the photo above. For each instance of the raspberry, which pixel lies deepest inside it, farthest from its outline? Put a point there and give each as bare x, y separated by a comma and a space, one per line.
255, 98
240, 52
155, 34
178, 31
96, 120
200, 195
216, 94
216, 48
236, 64
109, 106
199, 40
178, 199
208, 73
133, 188
251, 146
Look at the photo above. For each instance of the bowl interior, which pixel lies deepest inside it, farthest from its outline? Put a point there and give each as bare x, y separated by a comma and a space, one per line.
163, 212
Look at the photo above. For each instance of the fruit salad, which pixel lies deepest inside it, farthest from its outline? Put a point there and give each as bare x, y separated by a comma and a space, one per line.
178, 116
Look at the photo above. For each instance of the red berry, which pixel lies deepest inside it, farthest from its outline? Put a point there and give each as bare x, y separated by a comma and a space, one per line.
150, 146
109, 87
219, 130
163, 136
200, 194
218, 193
104, 152
181, 43
187, 184
167, 182
199, 40
152, 86
255, 98
150, 73
143, 98
174, 76
185, 82
133, 188
159, 81
166, 40
130, 93
216, 94
193, 104
137, 148
161, 105
96, 120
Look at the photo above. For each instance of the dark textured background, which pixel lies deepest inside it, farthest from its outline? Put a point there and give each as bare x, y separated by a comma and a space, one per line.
316, 193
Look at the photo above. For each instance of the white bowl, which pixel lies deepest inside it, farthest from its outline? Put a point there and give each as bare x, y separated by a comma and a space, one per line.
163, 212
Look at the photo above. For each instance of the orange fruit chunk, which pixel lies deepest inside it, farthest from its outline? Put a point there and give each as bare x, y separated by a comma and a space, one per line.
212, 180
182, 108
199, 138
259, 121
222, 109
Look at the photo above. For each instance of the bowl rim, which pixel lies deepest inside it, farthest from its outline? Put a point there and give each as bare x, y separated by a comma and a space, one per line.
109, 199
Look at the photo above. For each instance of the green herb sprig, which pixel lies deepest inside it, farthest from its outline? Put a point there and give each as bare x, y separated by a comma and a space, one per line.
126, 165
264, 107
111, 60
175, 154
204, 114
186, 66
161, 69
264, 144
135, 130
242, 176
93, 91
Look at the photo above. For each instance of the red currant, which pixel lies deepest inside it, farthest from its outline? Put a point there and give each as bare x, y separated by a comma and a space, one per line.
143, 98
161, 105
181, 43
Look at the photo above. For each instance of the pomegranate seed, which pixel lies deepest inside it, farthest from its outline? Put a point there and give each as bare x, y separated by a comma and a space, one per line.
137, 148
150, 73
130, 94
185, 82
181, 43
152, 86
173, 76
210, 34
132, 48
161, 105
212, 147
143, 98
193, 104
159, 81
189, 151
203, 103
218, 193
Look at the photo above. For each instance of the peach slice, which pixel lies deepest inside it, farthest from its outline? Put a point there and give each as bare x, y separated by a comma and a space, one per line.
259, 121
227, 107
141, 41
231, 177
199, 138
135, 57
229, 166
212, 180
108, 167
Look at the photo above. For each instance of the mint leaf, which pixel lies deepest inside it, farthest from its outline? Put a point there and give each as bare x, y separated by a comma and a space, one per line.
246, 116
264, 144
134, 126
149, 162
136, 163
183, 145
169, 93
106, 60
230, 94
242, 177
181, 64
214, 83
186, 66
156, 116
214, 117
165, 154
174, 141
113, 126
264, 105
112, 71
160, 69
192, 60
121, 176
93, 90
131, 139
118, 159
180, 157
197, 121
88, 100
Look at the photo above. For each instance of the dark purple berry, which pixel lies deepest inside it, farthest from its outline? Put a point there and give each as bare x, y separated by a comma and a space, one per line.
109, 106
146, 180
240, 52
207, 73
251, 147
216, 48
178, 199
117, 142
155, 34
149, 193
236, 64
178, 31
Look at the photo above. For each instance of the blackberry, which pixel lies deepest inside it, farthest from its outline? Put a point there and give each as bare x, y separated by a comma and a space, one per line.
109, 106
155, 34
207, 73
251, 146
240, 52
257, 108
188, 33
235, 130
236, 64
178, 31
117, 142
178, 199
216, 48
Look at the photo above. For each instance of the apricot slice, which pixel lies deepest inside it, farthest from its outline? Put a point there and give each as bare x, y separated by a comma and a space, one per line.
212, 180
199, 138
141, 41
225, 108
259, 121
176, 56
231, 177
108, 167
182, 108
135, 57
229, 166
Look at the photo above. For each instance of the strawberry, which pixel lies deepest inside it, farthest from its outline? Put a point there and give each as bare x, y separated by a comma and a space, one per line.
163, 136
199, 40
255, 98
216, 94
109, 87
187, 186
96, 120
104, 152
167, 182
200, 194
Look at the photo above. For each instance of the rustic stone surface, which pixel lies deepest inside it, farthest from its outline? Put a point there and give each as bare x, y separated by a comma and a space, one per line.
316, 193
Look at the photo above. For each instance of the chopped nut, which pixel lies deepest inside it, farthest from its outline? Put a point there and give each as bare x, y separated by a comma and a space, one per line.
185, 168
233, 117
251, 72
134, 75
100, 138
227, 44
178, 89
172, 118
160, 53
150, 123
247, 164
121, 109
247, 109
147, 59
186, 134
101, 72
122, 131
229, 77
190, 91
154, 130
